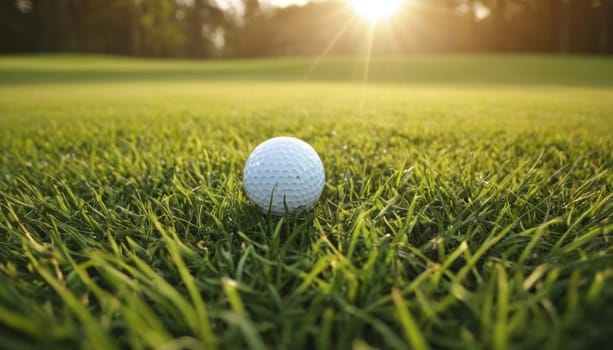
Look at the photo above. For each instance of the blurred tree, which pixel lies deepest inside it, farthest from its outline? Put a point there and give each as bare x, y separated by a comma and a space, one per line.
564, 36
606, 19
16, 27
203, 23
200, 28
251, 8
55, 25
98, 28
161, 36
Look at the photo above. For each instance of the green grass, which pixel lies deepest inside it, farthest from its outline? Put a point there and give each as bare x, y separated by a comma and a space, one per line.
468, 204
451, 69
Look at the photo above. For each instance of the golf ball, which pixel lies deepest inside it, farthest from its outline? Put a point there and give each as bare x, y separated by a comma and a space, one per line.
283, 172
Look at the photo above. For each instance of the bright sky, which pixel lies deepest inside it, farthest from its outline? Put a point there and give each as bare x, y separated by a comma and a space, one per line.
287, 2
271, 2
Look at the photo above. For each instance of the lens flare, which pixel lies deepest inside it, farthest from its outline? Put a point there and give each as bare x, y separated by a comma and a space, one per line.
376, 10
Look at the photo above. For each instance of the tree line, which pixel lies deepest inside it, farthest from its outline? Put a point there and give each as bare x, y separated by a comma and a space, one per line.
202, 28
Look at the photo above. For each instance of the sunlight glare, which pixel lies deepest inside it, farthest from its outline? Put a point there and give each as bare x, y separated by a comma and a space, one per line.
376, 10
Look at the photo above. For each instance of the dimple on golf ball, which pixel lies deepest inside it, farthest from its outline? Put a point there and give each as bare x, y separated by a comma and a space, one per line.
283, 172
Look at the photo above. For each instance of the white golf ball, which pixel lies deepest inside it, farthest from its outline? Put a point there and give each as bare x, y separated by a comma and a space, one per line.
284, 172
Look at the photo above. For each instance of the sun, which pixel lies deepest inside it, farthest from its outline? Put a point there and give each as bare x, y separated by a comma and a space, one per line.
376, 10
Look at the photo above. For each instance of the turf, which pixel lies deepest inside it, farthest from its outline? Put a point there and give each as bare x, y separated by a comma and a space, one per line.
468, 204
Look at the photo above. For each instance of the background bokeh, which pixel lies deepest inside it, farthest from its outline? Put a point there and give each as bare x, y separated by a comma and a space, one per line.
247, 28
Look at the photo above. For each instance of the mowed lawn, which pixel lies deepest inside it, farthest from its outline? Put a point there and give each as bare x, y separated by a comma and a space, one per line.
468, 204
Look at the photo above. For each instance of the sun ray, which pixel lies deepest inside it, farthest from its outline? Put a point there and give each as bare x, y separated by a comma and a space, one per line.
367, 61
328, 48
425, 30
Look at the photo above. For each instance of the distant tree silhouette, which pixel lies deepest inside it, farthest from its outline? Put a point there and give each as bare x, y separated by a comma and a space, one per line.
199, 28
